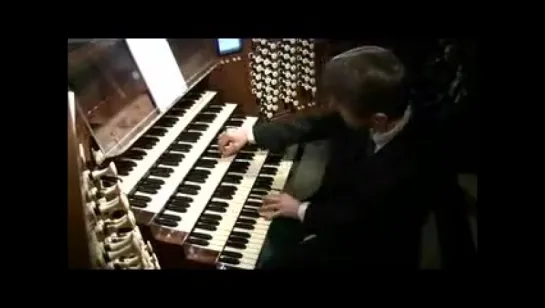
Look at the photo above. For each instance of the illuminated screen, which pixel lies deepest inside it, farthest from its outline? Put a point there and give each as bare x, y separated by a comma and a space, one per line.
229, 45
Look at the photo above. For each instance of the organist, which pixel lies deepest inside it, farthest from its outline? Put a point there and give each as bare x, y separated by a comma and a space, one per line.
375, 194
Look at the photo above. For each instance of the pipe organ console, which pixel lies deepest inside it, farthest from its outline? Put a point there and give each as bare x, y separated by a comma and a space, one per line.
171, 189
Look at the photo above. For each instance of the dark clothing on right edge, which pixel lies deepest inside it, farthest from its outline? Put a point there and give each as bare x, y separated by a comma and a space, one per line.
370, 207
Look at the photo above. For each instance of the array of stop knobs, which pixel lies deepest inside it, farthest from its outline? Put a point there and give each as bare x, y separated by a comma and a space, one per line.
282, 71
115, 242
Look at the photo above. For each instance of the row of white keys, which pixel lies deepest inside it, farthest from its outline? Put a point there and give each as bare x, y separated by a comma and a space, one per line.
200, 201
250, 255
142, 166
171, 183
235, 205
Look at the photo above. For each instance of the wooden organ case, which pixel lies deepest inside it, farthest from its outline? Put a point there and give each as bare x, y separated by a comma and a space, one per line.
160, 168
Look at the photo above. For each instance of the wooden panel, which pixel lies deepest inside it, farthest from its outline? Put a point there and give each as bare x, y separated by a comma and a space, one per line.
78, 249
231, 79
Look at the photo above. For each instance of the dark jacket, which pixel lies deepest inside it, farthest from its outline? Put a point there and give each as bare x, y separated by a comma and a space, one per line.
370, 207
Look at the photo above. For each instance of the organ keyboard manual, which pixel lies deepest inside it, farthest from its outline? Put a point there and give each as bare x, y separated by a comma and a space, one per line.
154, 180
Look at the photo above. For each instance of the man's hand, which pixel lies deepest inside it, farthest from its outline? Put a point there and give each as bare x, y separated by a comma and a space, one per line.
232, 140
279, 205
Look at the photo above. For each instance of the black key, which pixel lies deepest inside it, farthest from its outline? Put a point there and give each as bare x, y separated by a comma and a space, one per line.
216, 209
196, 179
233, 123
244, 226
207, 118
233, 176
160, 174
148, 181
213, 109
223, 195
237, 164
177, 112
157, 131
209, 222
182, 198
136, 152
165, 222
218, 204
235, 244
123, 172
230, 181
181, 147
206, 163
138, 203
211, 216
265, 178
187, 191
265, 186
173, 156
259, 192
143, 198
201, 127
163, 169
247, 221
205, 226
231, 254
241, 234
197, 241
177, 209
229, 260
192, 135
168, 162
248, 213
269, 170
245, 156
227, 187
239, 240
179, 203
190, 186
169, 216
202, 236
254, 203
199, 172
146, 190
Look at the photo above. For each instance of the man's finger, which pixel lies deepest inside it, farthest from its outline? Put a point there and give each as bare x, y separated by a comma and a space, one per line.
269, 207
276, 214
267, 214
228, 150
223, 140
271, 199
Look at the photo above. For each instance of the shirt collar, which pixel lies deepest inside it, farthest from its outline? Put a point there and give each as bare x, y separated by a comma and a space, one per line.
381, 139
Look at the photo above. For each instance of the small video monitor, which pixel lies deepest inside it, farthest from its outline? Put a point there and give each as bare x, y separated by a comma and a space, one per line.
229, 46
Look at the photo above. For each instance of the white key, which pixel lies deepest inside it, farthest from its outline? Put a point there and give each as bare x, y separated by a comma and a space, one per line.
200, 201
142, 166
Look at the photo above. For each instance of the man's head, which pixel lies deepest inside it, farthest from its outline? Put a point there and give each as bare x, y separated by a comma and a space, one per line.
367, 86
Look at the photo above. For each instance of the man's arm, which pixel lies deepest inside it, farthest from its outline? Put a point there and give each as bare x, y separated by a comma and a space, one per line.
276, 136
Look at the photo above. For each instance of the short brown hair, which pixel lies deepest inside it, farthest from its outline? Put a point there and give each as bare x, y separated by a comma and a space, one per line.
367, 80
